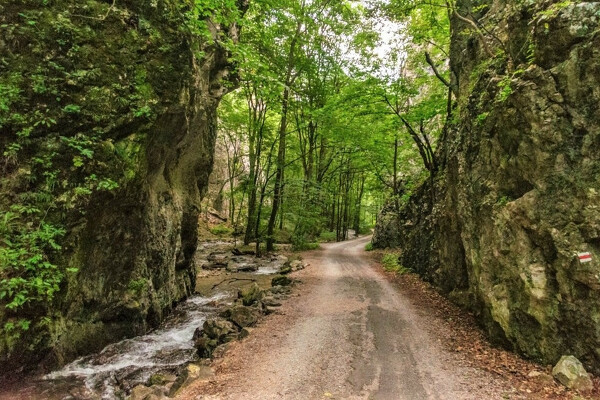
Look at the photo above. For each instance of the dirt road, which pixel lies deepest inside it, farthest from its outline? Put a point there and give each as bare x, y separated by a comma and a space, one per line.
349, 334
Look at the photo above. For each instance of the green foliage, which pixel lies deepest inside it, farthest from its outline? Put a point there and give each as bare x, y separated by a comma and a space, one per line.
27, 274
369, 246
221, 230
138, 286
300, 245
553, 10
481, 118
505, 89
391, 263
503, 200
327, 236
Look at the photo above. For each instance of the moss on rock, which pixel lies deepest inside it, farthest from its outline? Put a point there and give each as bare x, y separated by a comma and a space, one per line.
107, 132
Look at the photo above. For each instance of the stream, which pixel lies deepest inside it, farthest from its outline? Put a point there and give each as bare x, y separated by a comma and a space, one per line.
112, 373
123, 365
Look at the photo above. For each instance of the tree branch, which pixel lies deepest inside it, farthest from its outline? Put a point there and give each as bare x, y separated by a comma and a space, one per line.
438, 75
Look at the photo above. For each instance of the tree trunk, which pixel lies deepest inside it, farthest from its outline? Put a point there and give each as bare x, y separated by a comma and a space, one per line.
278, 190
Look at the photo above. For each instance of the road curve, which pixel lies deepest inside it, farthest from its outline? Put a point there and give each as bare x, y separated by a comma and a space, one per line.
348, 335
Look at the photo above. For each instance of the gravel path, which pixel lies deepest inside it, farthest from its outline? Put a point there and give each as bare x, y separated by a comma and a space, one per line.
349, 334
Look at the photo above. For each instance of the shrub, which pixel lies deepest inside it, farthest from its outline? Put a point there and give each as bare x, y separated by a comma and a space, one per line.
327, 237
302, 245
391, 263
221, 230
283, 236
138, 285
369, 246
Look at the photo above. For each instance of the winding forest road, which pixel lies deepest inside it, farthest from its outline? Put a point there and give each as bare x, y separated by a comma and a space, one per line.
349, 334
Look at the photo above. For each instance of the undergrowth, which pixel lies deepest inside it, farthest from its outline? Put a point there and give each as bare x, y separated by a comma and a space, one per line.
391, 263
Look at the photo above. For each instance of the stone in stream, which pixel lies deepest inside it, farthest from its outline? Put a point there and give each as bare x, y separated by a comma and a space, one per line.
161, 379
297, 265
245, 332
216, 260
280, 291
281, 281
242, 264
251, 295
215, 328
205, 346
242, 316
141, 392
286, 269
214, 331
191, 373
279, 259
570, 372
270, 301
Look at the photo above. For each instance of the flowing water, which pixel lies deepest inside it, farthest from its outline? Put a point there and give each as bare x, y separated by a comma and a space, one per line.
113, 372
121, 366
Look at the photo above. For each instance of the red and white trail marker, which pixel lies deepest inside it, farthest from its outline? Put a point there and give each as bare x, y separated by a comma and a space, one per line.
584, 257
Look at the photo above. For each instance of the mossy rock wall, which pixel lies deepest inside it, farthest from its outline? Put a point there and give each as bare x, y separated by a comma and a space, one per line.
107, 132
518, 196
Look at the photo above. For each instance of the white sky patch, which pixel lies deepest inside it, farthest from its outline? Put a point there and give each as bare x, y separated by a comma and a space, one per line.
388, 53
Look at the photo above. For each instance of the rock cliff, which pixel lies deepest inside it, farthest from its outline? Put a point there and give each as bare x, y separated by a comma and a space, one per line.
107, 133
518, 196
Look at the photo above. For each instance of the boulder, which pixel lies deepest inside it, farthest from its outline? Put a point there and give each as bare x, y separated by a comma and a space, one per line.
242, 316
245, 332
297, 265
140, 392
214, 331
161, 379
279, 259
218, 259
216, 328
205, 346
280, 291
189, 374
281, 281
220, 351
242, 264
570, 372
155, 396
541, 378
271, 301
248, 267
245, 252
286, 269
251, 295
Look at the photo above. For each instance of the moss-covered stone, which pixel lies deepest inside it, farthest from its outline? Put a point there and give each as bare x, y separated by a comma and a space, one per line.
281, 280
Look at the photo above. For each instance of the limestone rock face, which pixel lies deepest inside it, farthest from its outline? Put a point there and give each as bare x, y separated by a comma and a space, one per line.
134, 83
570, 372
518, 194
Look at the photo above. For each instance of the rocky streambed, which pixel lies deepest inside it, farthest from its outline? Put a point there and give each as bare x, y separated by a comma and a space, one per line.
234, 290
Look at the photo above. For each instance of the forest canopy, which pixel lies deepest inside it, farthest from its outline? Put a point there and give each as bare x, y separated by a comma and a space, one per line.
339, 109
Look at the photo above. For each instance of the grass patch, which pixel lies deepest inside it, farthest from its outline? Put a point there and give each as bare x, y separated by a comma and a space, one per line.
369, 247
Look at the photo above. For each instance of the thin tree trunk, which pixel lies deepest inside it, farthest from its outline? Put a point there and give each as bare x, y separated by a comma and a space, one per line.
357, 211
280, 167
